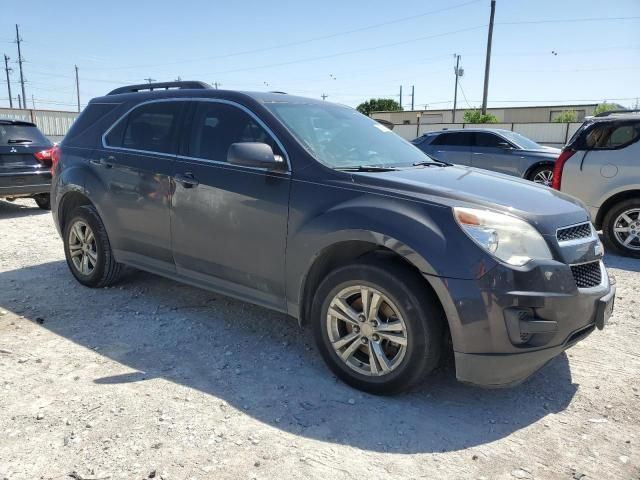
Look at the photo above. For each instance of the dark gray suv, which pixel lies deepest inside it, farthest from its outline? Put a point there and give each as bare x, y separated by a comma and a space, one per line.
319, 212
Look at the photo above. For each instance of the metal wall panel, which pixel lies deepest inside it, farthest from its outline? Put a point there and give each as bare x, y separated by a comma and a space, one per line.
54, 124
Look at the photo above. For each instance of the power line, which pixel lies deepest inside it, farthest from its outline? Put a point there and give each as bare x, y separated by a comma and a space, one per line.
304, 41
568, 20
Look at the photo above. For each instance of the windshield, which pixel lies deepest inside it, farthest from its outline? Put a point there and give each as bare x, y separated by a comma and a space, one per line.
340, 137
522, 141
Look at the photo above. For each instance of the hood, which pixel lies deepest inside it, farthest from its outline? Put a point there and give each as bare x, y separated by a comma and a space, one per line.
545, 208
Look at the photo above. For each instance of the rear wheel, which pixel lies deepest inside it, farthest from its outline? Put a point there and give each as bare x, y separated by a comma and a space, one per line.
542, 175
43, 200
377, 326
87, 249
621, 228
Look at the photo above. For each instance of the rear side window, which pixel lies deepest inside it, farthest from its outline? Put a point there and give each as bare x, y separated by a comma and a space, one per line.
22, 134
610, 136
149, 128
458, 139
217, 125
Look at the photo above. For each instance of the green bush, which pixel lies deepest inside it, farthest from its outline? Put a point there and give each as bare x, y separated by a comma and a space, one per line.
476, 116
568, 116
379, 105
605, 107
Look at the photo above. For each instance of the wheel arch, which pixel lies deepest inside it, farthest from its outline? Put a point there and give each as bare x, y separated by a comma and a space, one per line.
68, 203
612, 201
535, 166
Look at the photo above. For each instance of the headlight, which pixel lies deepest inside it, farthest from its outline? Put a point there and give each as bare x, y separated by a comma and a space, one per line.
507, 238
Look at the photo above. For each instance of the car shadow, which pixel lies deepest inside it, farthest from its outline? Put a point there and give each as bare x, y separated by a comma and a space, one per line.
622, 263
17, 210
263, 364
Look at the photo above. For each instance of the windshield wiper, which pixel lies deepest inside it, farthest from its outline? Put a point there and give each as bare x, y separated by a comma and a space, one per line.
20, 140
366, 168
432, 163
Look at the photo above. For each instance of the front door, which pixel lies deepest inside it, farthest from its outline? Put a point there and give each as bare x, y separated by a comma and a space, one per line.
135, 166
492, 152
229, 223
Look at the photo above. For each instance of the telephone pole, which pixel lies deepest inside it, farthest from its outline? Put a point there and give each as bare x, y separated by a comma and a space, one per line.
324, 96
20, 60
413, 94
400, 97
488, 60
150, 80
457, 71
77, 87
216, 85
19, 102
7, 70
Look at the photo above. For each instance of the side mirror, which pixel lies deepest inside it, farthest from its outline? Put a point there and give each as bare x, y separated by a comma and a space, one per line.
254, 154
505, 146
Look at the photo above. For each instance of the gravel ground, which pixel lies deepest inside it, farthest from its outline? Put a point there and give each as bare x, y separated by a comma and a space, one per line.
154, 379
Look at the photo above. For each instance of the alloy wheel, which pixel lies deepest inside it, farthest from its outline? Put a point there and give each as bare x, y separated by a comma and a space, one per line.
544, 177
626, 229
83, 248
366, 330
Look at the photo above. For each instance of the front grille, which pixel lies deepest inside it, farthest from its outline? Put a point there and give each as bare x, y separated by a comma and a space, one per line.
575, 232
587, 275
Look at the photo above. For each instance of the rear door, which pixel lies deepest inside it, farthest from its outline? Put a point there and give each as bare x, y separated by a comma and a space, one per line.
135, 167
19, 142
453, 147
493, 152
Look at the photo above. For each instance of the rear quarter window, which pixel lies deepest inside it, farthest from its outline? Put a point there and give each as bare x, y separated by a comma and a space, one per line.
612, 136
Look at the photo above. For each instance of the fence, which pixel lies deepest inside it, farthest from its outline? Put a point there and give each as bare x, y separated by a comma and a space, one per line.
552, 134
54, 124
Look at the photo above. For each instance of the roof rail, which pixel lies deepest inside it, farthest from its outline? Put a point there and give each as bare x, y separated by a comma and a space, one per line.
160, 86
613, 112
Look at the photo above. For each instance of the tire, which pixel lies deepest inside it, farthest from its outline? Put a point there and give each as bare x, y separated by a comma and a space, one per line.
102, 269
417, 310
43, 200
542, 175
615, 219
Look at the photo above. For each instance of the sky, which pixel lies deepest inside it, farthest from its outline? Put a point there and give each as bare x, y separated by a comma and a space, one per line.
348, 50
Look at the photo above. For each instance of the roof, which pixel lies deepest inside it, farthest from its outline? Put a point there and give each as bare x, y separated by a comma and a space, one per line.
469, 130
435, 110
9, 121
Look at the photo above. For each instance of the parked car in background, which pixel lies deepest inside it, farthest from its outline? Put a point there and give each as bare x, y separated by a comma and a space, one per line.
25, 162
317, 211
495, 149
601, 166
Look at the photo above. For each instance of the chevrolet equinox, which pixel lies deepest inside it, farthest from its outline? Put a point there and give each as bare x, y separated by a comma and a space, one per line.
314, 210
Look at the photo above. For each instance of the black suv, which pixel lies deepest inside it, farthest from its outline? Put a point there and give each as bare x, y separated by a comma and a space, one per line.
25, 162
317, 211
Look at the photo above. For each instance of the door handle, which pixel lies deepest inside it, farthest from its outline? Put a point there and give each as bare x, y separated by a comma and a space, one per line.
186, 180
102, 162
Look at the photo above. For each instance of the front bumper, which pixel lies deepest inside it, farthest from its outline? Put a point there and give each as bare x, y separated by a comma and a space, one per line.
508, 324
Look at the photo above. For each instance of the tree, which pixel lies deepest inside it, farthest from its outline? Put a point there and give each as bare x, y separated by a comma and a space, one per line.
568, 116
379, 105
476, 116
605, 107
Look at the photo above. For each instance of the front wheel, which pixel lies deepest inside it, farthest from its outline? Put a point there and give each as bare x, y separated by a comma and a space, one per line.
621, 228
378, 326
542, 175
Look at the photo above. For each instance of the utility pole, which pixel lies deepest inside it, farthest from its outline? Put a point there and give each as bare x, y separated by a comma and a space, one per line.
77, 87
400, 97
413, 95
19, 101
150, 80
488, 60
7, 70
455, 92
20, 60
324, 96
216, 85
33, 102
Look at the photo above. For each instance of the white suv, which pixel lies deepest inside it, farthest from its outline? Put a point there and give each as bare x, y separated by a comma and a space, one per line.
601, 166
